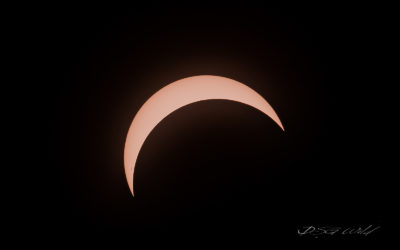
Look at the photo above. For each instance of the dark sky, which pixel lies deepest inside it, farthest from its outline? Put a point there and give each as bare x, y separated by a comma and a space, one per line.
218, 167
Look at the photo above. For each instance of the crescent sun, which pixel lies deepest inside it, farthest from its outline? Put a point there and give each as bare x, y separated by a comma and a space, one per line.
181, 93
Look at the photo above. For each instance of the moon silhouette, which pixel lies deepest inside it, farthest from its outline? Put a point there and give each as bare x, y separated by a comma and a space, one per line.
181, 93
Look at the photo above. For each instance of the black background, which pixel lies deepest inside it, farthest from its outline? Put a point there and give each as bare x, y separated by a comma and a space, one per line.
219, 168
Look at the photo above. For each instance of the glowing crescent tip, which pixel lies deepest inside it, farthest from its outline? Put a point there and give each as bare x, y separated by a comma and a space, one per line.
181, 93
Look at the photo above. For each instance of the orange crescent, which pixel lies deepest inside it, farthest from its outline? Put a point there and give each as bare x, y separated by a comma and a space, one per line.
181, 93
